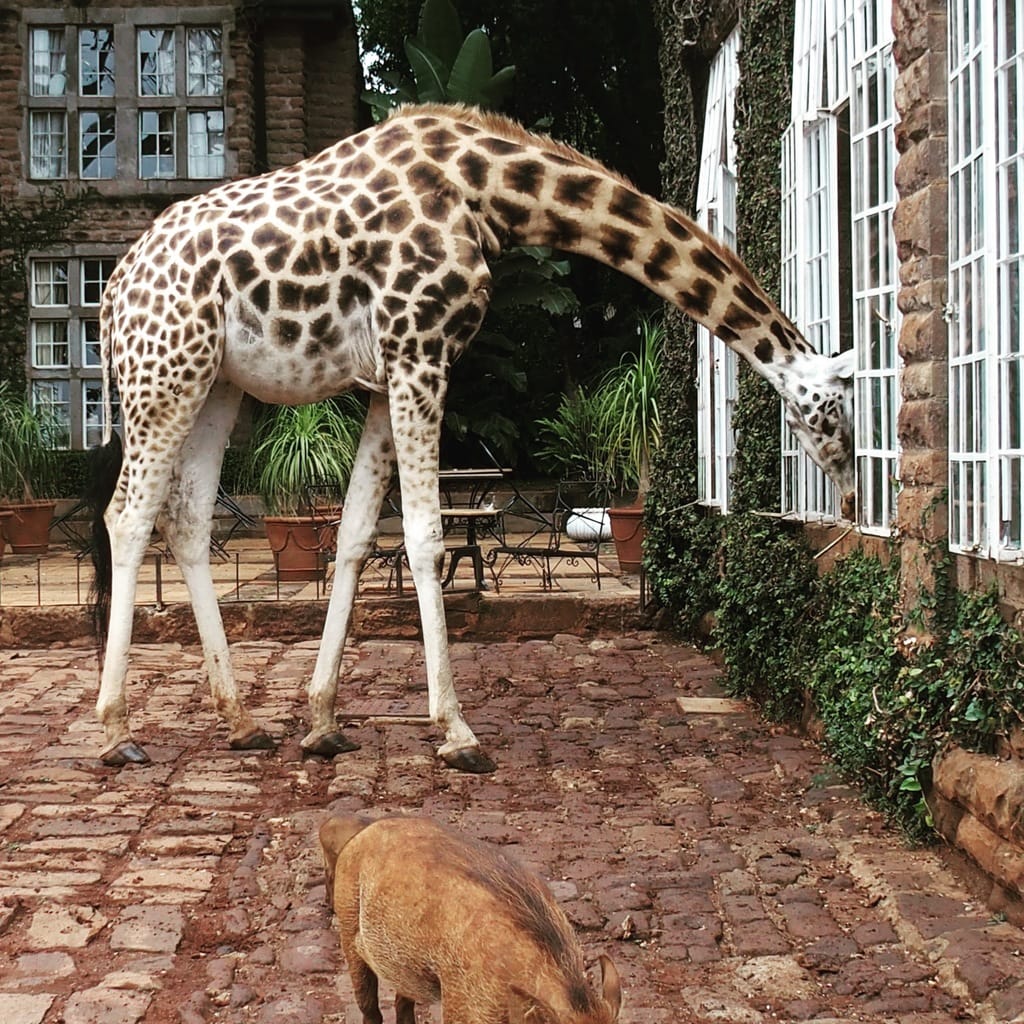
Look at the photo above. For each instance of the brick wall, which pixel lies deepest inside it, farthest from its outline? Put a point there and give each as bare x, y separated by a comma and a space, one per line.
920, 226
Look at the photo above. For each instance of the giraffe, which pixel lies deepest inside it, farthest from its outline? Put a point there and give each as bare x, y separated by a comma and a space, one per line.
366, 266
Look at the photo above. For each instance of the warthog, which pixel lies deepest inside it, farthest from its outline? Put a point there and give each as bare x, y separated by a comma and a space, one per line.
443, 918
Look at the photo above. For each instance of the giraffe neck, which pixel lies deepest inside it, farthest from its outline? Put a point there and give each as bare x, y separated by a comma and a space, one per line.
531, 190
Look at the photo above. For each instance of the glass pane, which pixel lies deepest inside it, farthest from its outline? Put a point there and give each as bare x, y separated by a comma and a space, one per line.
50, 343
49, 144
156, 62
98, 144
49, 62
206, 144
96, 61
92, 412
91, 343
50, 397
205, 65
94, 278
156, 144
49, 282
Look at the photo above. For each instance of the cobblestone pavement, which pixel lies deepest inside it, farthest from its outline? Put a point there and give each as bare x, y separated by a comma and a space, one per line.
726, 871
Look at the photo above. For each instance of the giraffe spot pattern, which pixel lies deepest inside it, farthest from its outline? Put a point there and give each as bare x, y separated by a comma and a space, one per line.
577, 191
629, 206
525, 177
707, 261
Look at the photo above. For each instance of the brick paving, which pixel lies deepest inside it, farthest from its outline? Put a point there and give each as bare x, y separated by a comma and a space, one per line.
721, 864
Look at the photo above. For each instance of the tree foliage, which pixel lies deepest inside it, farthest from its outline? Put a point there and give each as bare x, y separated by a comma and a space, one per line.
586, 73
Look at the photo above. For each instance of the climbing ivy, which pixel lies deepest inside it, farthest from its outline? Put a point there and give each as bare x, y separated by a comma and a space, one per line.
788, 635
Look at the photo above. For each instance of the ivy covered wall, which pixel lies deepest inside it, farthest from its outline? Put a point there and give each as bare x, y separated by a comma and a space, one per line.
792, 632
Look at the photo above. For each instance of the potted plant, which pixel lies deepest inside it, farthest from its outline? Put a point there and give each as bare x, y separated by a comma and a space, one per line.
607, 435
634, 428
28, 438
299, 463
575, 447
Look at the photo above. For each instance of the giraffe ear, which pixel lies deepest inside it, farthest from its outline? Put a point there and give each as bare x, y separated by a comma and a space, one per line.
844, 364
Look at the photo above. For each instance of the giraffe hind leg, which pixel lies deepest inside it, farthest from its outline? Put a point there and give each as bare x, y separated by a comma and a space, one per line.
129, 525
186, 524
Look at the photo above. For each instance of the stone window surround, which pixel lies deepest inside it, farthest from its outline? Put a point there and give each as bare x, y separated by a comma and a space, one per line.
126, 20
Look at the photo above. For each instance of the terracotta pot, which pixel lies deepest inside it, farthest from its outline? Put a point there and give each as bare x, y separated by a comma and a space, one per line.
300, 545
628, 533
4, 516
28, 527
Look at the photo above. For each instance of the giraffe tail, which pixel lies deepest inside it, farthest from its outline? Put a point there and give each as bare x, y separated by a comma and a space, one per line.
104, 470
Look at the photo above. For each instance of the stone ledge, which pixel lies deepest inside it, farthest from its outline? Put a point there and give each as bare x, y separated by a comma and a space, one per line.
977, 803
470, 616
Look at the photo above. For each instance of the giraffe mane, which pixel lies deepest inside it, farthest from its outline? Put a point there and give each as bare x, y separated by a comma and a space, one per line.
513, 131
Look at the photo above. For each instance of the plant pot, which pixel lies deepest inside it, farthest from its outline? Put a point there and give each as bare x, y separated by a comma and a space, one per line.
628, 533
588, 525
27, 528
4, 516
300, 544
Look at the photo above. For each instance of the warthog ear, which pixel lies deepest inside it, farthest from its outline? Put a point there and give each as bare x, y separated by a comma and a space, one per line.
611, 987
524, 1008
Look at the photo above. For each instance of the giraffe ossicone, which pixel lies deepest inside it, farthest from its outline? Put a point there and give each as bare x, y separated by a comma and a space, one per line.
365, 266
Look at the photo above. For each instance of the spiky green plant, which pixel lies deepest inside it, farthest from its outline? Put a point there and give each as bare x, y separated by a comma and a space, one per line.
297, 448
27, 441
631, 406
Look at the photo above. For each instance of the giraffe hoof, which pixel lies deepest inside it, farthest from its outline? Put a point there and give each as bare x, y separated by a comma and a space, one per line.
125, 752
255, 740
332, 744
469, 759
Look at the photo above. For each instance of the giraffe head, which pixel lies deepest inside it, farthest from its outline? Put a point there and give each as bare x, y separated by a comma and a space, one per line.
819, 411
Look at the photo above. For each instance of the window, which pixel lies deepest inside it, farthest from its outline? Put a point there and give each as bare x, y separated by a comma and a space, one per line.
839, 259
166, 83
205, 66
49, 71
986, 353
64, 342
50, 397
98, 158
716, 211
156, 144
156, 61
49, 145
206, 144
96, 61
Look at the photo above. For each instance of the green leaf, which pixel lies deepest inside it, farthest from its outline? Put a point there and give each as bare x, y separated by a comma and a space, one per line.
429, 72
495, 91
471, 72
440, 30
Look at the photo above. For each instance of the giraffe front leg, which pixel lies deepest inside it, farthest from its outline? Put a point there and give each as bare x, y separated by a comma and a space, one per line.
416, 436
371, 475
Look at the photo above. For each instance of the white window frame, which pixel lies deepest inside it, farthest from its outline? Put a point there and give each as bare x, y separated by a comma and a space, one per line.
841, 47
66, 94
986, 265
716, 212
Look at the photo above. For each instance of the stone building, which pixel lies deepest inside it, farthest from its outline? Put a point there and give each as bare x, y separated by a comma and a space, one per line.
901, 162
900, 236
141, 105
